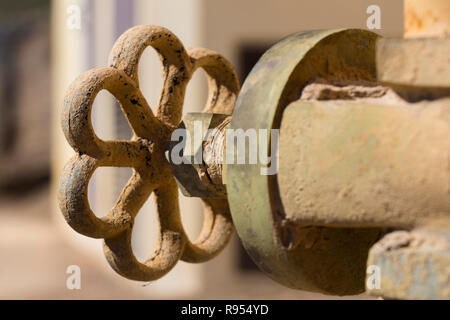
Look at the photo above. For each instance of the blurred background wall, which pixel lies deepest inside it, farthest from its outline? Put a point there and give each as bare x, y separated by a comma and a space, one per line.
24, 95
43, 51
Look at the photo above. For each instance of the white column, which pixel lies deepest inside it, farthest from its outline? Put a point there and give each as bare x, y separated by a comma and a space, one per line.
184, 19
102, 188
70, 57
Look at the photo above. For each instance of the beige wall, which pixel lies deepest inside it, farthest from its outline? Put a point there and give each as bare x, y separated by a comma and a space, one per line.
234, 22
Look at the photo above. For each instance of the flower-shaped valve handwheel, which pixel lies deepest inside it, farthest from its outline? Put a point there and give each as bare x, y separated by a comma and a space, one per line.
144, 152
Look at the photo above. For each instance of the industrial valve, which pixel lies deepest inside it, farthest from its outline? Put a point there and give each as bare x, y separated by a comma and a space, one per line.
331, 161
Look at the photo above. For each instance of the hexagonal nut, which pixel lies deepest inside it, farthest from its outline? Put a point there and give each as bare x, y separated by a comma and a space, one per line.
195, 154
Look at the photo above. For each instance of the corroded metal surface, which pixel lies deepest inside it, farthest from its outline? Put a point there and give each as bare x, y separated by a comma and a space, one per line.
427, 18
413, 264
144, 152
346, 169
329, 260
360, 164
414, 62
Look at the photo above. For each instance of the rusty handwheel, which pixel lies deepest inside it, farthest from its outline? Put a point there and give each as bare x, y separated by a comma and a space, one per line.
144, 152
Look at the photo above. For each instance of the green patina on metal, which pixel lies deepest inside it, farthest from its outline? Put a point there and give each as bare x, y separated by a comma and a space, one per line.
276, 80
412, 264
